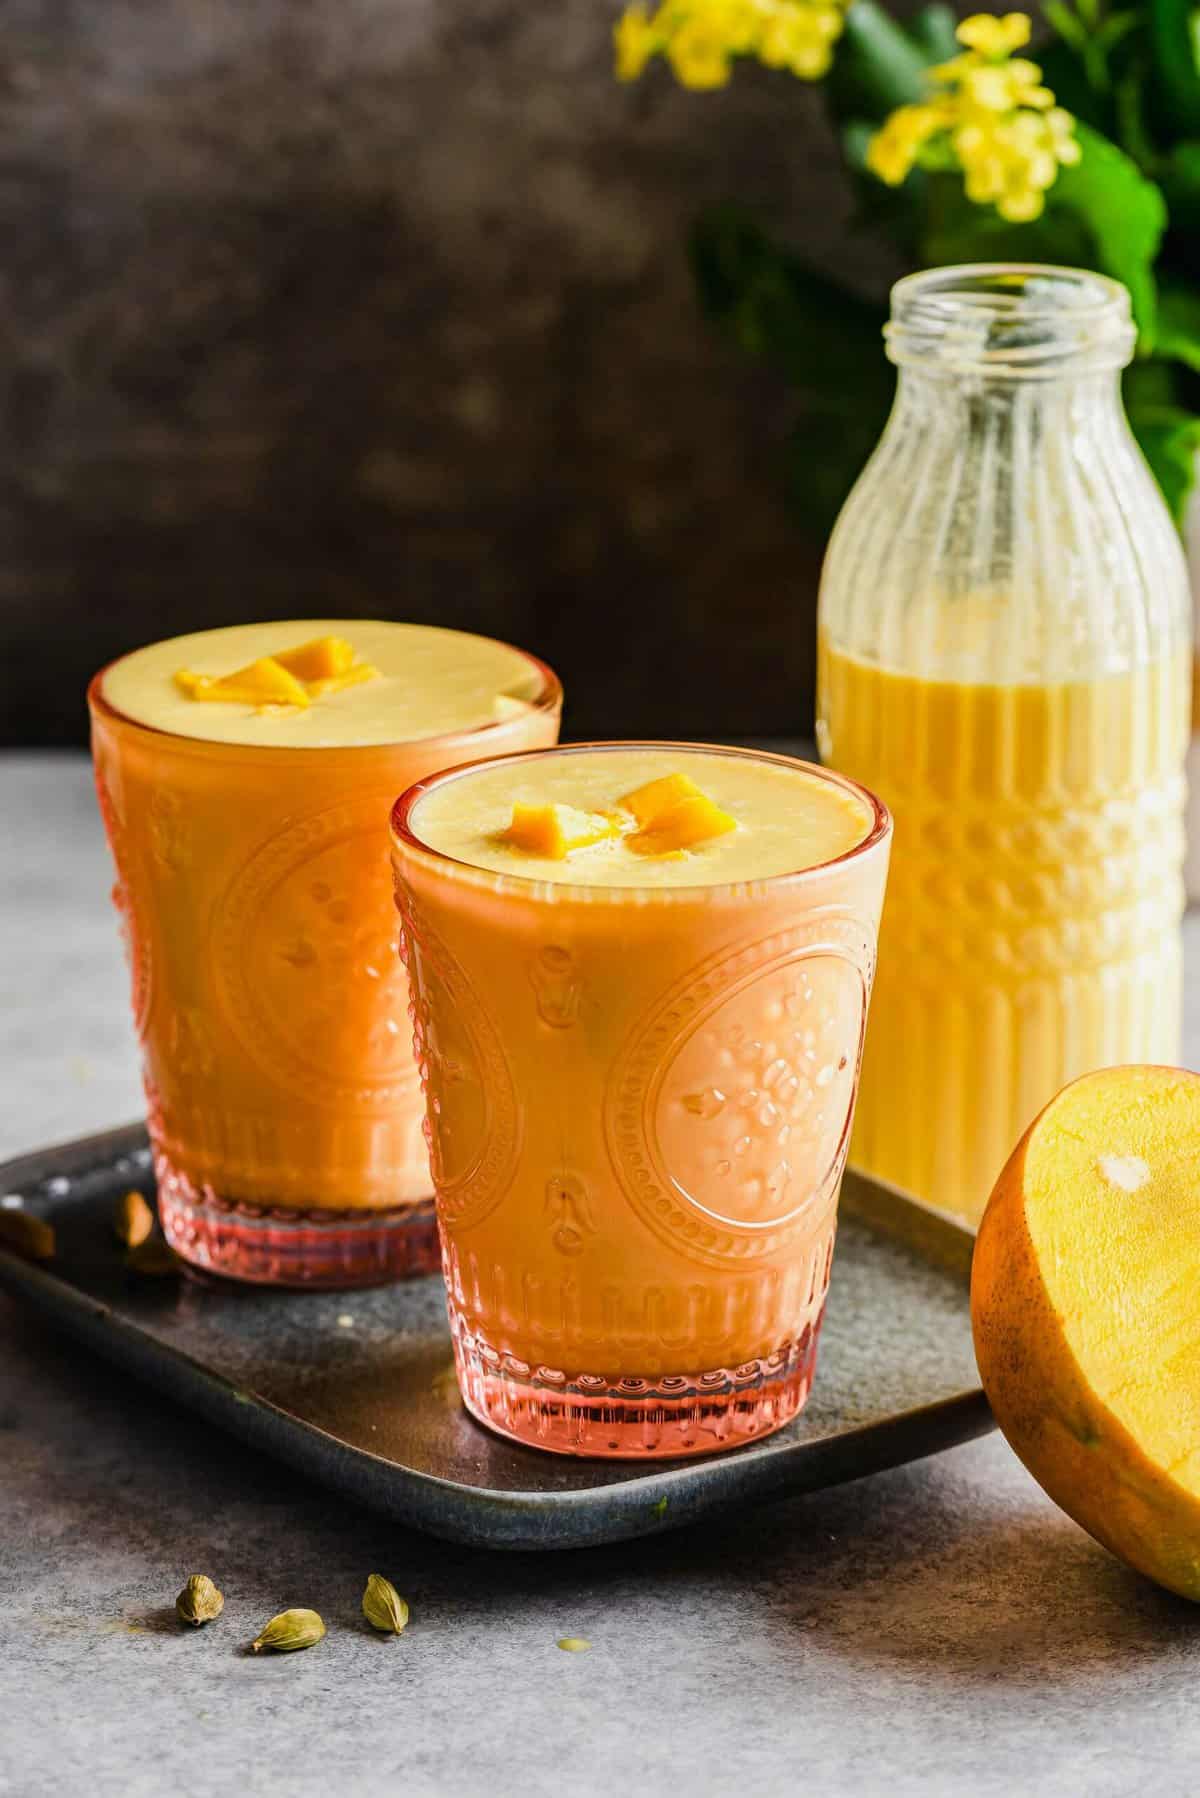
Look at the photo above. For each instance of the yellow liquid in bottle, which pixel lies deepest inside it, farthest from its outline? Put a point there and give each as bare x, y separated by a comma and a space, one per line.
1031, 927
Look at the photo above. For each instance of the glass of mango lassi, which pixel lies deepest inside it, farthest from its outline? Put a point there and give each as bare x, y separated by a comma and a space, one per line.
245, 777
640, 976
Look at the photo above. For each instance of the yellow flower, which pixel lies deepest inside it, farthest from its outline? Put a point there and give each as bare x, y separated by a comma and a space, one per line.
701, 37
699, 54
1063, 141
995, 117
739, 21
801, 38
635, 42
895, 147
990, 36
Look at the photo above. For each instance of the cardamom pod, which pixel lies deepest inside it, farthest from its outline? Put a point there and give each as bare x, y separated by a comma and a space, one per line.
199, 1602
383, 1607
27, 1235
288, 1631
152, 1258
574, 1644
133, 1220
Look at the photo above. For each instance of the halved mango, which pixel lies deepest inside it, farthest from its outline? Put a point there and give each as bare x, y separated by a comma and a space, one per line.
682, 826
1083, 1301
554, 830
265, 682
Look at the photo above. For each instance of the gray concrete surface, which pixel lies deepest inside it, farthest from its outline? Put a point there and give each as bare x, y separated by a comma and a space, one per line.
942, 1629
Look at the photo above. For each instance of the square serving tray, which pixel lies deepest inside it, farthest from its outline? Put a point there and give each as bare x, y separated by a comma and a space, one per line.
357, 1389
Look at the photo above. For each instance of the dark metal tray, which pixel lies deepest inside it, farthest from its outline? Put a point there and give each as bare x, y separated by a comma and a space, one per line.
357, 1389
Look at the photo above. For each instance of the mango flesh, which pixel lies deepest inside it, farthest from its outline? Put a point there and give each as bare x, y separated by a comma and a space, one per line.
673, 812
554, 830
682, 826
323, 658
1083, 1303
658, 796
295, 677
265, 682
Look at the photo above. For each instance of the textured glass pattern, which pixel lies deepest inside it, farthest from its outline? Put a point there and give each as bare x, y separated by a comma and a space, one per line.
1005, 658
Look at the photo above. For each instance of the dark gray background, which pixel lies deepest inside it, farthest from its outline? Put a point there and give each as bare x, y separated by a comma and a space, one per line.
382, 307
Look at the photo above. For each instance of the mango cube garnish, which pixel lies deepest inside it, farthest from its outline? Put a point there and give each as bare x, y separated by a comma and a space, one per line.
554, 831
293, 677
674, 815
659, 796
321, 659
682, 826
265, 682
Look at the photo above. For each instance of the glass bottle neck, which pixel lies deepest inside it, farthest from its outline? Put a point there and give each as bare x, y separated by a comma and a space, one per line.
939, 389
1010, 322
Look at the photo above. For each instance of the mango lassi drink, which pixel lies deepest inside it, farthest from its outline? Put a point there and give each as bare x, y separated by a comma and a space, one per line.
245, 777
640, 976
1031, 932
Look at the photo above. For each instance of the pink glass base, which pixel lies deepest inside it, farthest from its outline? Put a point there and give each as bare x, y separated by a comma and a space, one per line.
632, 1419
276, 1245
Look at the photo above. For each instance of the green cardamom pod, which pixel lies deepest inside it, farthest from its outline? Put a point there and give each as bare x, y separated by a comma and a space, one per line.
383, 1607
288, 1631
133, 1220
574, 1644
199, 1602
27, 1235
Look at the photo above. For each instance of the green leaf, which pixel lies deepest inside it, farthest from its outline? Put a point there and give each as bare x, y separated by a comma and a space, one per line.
1130, 125
1177, 335
827, 341
957, 230
878, 66
932, 30
1166, 427
1169, 438
1103, 213
1149, 383
1122, 212
1177, 73
1069, 26
1065, 69
1179, 177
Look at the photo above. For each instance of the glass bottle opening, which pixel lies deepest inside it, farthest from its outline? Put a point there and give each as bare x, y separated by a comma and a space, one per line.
1008, 319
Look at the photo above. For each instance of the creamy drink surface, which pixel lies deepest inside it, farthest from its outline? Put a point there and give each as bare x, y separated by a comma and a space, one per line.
787, 819
429, 683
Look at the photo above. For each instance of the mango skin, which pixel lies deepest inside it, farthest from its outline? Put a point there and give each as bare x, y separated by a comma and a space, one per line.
1078, 1451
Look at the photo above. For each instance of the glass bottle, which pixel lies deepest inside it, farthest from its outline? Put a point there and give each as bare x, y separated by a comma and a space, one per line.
1004, 657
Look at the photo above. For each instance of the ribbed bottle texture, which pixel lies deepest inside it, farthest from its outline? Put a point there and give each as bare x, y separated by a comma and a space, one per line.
1004, 657
1031, 927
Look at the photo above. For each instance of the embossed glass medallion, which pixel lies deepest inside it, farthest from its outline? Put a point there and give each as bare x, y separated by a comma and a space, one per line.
639, 1079
245, 778
751, 1113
